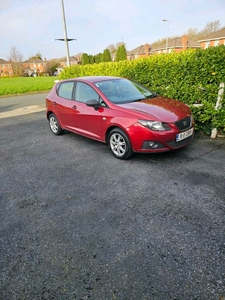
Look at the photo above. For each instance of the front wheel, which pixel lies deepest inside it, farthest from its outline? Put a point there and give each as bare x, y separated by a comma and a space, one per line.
54, 125
119, 144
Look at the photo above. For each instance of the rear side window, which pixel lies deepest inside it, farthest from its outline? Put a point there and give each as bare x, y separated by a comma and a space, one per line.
65, 90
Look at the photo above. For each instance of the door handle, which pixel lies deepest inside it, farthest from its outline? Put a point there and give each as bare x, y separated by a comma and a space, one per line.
54, 103
74, 107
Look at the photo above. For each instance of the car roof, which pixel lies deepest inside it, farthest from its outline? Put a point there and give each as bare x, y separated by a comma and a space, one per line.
94, 79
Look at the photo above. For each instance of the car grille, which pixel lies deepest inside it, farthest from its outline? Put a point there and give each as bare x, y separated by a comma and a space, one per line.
184, 123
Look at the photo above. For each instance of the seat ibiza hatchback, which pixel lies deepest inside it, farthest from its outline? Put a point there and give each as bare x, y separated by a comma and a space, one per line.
120, 112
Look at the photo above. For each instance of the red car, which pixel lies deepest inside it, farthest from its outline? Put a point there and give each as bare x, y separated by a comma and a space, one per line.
120, 112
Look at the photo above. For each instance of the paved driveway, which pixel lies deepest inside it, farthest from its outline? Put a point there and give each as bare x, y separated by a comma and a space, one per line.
76, 223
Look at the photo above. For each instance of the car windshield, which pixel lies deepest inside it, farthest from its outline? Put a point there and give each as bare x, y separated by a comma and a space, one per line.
120, 91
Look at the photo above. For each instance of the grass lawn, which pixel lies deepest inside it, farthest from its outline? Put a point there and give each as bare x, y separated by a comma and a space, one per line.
25, 85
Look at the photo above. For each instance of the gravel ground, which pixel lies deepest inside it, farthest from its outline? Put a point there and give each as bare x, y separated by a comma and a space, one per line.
77, 223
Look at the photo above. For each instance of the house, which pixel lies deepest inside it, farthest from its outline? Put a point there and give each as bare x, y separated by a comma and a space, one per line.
5, 68
213, 39
177, 44
35, 66
141, 51
73, 61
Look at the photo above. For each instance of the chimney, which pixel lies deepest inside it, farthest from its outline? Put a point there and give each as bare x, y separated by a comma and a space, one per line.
184, 42
146, 49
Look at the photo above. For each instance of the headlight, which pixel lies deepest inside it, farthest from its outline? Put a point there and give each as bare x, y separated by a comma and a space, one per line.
155, 125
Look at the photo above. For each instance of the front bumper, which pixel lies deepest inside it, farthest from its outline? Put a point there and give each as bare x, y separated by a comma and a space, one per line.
146, 140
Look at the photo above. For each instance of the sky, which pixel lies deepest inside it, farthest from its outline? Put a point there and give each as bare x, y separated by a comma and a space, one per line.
33, 25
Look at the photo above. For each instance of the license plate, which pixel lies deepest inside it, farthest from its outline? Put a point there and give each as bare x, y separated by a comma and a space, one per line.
183, 135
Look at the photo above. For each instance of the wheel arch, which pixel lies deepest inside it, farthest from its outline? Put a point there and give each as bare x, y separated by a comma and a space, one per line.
120, 145
52, 112
54, 123
114, 127
49, 113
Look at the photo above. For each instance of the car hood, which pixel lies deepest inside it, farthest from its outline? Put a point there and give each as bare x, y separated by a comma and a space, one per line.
161, 108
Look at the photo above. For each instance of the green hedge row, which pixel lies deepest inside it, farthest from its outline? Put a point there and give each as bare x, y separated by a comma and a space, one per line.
190, 76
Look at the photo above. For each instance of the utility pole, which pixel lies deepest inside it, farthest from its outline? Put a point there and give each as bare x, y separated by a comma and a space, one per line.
66, 40
167, 33
65, 34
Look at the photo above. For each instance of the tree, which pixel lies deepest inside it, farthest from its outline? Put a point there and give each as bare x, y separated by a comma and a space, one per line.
209, 28
16, 58
120, 44
37, 55
159, 42
106, 56
112, 48
192, 34
84, 59
52, 64
121, 53
91, 59
98, 58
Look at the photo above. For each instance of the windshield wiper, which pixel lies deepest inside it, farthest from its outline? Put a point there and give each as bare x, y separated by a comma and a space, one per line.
148, 97
151, 96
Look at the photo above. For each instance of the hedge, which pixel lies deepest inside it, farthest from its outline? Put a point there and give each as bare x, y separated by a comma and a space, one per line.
191, 76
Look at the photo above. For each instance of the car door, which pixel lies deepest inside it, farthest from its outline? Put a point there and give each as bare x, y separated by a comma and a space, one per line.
86, 120
63, 104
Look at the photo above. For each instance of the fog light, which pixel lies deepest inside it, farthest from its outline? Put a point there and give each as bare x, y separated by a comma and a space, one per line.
153, 145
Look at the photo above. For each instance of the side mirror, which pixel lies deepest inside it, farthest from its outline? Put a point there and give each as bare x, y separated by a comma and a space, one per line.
93, 103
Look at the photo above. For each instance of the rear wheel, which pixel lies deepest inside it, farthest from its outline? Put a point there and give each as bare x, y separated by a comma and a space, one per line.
119, 144
54, 125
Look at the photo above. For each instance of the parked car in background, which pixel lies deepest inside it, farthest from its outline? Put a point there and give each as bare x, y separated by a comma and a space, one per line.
120, 112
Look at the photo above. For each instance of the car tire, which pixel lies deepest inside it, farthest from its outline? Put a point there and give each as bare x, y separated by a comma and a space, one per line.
54, 125
119, 144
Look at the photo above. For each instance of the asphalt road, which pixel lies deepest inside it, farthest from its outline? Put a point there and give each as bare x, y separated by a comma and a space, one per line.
15, 102
22, 105
77, 223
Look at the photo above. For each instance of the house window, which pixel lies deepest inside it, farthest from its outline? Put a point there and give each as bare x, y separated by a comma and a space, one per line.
207, 44
216, 42
170, 50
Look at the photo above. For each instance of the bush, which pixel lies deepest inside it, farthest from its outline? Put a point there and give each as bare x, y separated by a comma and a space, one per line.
191, 76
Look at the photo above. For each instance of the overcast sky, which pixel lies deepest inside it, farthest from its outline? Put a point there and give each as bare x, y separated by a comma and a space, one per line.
33, 25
